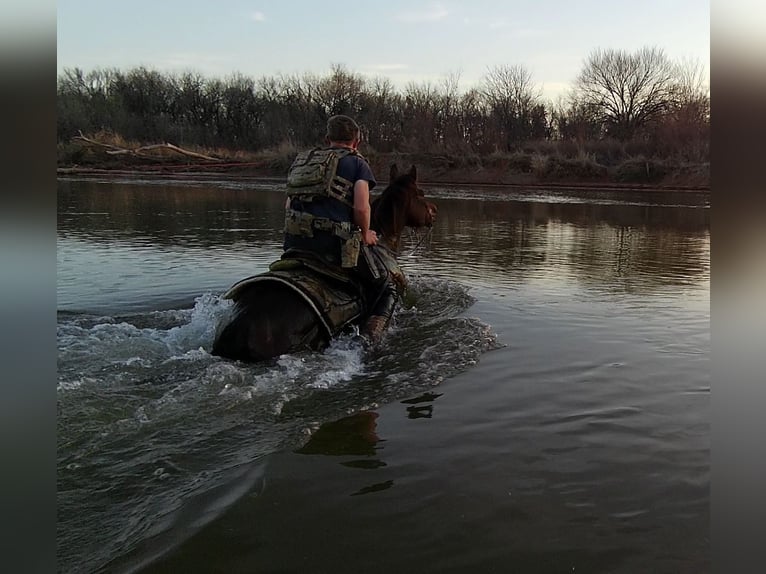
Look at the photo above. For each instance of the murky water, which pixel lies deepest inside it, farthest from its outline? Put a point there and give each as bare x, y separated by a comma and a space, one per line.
541, 404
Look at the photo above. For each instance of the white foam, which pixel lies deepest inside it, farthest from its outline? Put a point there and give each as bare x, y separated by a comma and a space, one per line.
198, 354
133, 361
209, 310
341, 361
223, 374
74, 384
110, 343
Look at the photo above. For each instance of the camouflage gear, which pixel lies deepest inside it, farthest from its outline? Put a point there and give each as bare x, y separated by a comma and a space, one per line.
304, 224
312, 179
314, 174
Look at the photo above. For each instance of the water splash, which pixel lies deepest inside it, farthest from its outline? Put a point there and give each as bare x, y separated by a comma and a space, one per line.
145, 409
108, 350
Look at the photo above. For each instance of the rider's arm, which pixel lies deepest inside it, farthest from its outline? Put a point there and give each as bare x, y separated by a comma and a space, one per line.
362, 211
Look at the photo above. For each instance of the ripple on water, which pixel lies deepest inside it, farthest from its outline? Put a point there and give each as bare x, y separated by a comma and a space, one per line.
145, 408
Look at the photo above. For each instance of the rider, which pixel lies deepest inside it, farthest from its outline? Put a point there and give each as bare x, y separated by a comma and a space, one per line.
331, 219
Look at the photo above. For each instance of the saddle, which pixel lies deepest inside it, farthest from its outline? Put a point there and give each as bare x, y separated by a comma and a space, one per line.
333, 295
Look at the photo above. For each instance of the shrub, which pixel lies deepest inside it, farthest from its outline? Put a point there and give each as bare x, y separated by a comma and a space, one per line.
520, 162
641, 170
539, 164
607, 151
583, 168
467, 160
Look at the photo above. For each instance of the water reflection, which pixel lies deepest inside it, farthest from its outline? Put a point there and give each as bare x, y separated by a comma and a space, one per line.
352, 435
167, 214
213, 236
418, 410
592, 409
628, 248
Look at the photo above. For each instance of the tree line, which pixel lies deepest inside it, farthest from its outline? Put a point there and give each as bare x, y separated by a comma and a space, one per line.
641, 99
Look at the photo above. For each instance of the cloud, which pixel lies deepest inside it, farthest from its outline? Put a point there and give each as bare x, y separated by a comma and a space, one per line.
433, 13
258, 17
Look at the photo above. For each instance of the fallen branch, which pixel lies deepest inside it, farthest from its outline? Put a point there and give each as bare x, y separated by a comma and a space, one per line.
94, 142
139, 151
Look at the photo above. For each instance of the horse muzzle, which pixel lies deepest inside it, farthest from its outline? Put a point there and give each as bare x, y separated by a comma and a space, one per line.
431, 213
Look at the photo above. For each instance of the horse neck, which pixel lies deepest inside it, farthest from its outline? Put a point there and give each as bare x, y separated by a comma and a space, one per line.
390, 225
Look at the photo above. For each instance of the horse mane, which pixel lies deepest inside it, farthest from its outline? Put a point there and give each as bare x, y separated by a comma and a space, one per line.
390, 207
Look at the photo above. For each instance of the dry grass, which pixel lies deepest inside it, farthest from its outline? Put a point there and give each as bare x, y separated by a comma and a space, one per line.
537, 161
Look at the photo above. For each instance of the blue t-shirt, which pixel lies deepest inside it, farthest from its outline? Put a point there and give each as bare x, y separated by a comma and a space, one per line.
351, 167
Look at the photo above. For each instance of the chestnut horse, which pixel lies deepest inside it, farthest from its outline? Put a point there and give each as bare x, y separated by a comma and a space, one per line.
301, 304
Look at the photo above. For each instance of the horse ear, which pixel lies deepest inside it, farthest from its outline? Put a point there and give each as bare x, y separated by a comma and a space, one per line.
414, 172
394, 173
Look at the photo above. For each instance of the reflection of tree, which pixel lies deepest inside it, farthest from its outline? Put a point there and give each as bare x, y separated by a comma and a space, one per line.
629, 247
620, 246
169, 214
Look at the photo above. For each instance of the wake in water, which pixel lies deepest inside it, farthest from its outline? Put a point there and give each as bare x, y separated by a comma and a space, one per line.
150, 423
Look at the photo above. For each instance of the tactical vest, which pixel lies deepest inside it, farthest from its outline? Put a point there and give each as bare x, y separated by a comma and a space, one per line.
313, 174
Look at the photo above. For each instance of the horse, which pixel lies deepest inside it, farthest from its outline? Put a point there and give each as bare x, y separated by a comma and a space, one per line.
301, 303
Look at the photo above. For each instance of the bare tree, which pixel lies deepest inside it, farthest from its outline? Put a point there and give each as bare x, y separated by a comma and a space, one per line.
627, 89
685, 130
472, 119
340, 92
692, 91
420, 105
448, 130
511, 96
380, 124
691, 79
241, 112
84, 102
305, 112
622, 95
573, 120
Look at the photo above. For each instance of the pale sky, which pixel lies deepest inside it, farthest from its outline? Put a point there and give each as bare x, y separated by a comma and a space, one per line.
403, 40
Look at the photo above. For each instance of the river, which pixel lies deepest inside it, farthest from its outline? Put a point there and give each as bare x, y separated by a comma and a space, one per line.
541, 403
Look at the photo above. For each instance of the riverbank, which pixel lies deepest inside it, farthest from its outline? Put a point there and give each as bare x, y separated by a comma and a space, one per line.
529, 169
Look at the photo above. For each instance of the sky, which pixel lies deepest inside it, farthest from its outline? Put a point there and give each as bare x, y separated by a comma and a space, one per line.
402, 40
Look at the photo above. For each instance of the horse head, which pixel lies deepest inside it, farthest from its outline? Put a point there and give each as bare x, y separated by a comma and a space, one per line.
402, 204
